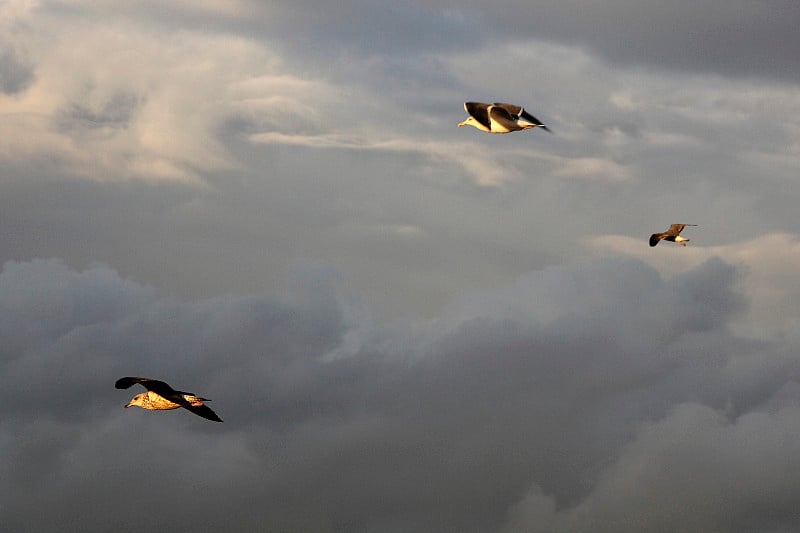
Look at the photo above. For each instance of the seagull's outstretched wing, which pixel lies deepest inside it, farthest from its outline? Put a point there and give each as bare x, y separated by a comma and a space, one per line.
655, 238
159, 387
675, 229
204, 411
520, 112
503, 117
479, 111
128, 382
511, 108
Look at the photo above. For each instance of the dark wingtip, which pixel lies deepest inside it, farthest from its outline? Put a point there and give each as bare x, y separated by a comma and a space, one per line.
123, 383
211, 415
203, 411
654, 239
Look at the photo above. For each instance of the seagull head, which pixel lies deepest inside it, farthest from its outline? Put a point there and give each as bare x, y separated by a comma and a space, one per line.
136, 400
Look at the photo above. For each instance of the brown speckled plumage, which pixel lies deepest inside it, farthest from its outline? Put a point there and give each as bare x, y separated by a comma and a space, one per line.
162, 397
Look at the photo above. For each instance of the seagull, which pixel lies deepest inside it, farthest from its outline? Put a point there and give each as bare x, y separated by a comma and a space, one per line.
160, 396
672, 234
499, 118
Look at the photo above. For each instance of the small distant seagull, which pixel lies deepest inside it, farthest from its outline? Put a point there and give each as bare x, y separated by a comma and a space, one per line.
499, 118
160, 396
672, 234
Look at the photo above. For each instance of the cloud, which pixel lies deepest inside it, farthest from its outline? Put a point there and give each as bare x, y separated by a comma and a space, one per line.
149, 107
732, 39
474, 334
536, 385
267, 152
695, 469
769, 281
15, 74
485, 167
711, 36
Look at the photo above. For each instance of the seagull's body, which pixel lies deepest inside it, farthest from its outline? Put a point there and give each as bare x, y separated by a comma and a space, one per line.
672, 234
160, 396
499, 118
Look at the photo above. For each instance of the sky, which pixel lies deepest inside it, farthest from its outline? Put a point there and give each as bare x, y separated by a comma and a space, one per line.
405, 325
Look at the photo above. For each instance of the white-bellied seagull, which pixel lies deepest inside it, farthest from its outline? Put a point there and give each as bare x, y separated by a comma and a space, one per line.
499, 118
672, 234
160, 396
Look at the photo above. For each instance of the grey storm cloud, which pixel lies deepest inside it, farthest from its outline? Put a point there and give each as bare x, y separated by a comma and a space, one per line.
738, 38
336, 423
15, 73
701, 469
406, 326
731, 38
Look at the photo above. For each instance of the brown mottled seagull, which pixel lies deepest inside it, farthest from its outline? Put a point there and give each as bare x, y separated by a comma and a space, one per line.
499, 118
672, 234
160, 396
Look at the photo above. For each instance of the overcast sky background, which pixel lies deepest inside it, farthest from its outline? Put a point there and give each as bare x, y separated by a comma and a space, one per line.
406, 326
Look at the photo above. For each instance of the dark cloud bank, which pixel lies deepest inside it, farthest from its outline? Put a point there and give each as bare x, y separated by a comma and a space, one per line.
730, 38
582, 398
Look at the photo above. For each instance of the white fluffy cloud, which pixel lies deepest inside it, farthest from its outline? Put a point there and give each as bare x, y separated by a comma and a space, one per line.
113, 100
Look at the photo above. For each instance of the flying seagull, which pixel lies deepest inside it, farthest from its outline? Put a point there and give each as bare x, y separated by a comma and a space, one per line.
499, 118
160, 396
672, 234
